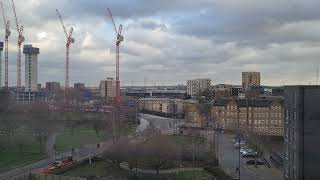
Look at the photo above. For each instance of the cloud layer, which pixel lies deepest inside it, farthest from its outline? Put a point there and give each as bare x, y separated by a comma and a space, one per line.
168, 42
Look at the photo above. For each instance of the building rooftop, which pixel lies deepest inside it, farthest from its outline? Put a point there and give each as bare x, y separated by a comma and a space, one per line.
28, 49
247, 102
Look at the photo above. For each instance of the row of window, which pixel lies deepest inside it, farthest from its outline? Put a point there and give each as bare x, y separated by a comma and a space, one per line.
277, 115
272, 122
255, 108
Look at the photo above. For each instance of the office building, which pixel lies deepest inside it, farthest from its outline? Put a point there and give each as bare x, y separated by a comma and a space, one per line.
302, 132
108, 88
79, 86
52, 87
197, 86
250, 79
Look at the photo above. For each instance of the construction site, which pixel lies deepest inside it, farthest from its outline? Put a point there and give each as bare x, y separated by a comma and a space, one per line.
29, 93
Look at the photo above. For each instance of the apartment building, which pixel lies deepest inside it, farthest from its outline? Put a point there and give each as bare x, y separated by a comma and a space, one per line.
31, 68
162, 105
302, 133
196, 86
260, 116
250, 79
108, 88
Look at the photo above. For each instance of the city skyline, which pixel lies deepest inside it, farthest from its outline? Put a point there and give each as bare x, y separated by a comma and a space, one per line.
227, 39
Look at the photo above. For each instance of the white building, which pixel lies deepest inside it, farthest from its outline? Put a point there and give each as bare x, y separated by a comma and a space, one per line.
196, 86
31, 68
162, 105
108, 88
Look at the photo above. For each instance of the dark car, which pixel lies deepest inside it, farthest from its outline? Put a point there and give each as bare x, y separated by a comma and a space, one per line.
249, 155
252, 162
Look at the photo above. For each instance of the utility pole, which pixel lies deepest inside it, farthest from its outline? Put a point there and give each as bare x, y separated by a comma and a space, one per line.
317, 74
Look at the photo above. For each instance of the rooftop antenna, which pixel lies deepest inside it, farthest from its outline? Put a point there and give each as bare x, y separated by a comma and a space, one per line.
317, 74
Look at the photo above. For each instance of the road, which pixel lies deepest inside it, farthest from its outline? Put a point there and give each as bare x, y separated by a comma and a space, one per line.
165, 125
229, 158
79, 154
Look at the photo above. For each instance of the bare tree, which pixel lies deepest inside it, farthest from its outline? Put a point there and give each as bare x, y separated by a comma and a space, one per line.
8, 115
157, 150
38, 116
196, 143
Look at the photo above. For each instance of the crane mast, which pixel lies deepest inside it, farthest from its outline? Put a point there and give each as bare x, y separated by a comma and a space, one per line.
119, 39
70, 40
6, 49
19, 43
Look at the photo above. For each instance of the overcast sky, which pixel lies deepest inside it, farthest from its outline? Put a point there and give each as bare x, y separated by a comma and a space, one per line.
170, 41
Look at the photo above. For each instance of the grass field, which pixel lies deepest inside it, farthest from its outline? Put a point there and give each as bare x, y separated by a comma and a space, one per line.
11, 156
85, 134
112, 172
78, 137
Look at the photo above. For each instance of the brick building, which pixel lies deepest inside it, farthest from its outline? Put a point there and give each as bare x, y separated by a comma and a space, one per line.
261, 116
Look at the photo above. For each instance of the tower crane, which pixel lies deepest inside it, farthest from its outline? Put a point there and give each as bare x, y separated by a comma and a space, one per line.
20, 41
119, 39
7, 34
70, 40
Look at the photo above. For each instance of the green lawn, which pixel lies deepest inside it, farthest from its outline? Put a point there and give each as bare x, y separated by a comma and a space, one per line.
190, 175
79, 137
11, 156
101, 168
110, 170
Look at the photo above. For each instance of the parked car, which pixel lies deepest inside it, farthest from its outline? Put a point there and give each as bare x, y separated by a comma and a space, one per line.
252, 162
245, 149
238, 145
251, 154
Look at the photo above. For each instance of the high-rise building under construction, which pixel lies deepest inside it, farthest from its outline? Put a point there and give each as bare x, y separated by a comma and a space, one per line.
31, 67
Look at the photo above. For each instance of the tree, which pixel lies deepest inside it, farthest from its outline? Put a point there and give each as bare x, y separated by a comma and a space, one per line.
7, 109
157, 150
38, 116
196, 143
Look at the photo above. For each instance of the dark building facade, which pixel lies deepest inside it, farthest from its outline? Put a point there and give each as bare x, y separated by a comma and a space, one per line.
302, 133
52, 86
277, 91
235, 91
79, 86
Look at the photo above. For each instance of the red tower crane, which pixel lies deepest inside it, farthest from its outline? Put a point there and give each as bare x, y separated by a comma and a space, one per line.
70, 40
20, 41
7, 34
119, 39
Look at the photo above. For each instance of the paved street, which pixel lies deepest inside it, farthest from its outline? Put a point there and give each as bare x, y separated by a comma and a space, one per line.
166, 125
229, 160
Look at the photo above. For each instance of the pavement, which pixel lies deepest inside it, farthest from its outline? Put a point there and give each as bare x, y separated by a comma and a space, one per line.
229, 161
